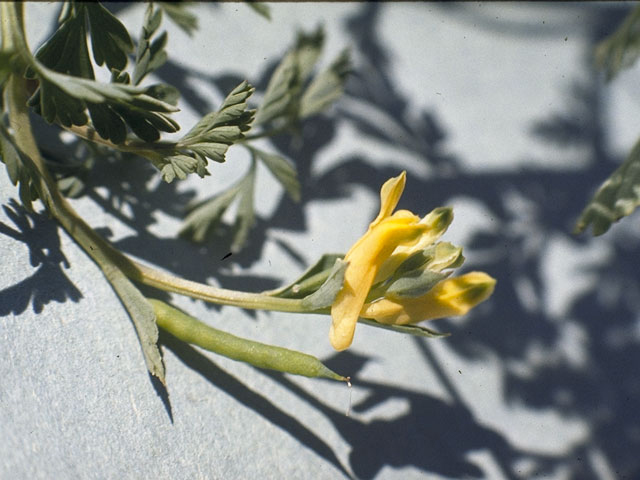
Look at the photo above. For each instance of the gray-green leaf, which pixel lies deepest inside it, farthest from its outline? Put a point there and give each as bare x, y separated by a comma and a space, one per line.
109, 38
284, 172
285, 85
178, 166
326, 88
621, 49
64, 98
150, 54
204, 216
18, 167
179, 15
617, 197
245, 216
227, 124
144, 321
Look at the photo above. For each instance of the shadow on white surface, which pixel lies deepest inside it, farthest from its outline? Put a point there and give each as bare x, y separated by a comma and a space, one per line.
578, 357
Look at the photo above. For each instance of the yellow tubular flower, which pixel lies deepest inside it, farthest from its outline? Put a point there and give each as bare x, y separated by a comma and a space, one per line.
365, 257
436, 224
390, 240
450, 297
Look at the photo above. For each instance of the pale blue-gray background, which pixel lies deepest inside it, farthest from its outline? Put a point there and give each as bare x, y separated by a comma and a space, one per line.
492, 108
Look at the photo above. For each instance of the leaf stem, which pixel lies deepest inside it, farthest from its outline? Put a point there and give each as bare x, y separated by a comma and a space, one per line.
141, 148
106, 256
110, 260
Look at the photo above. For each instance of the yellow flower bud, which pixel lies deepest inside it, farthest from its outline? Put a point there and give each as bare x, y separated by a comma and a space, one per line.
450, 297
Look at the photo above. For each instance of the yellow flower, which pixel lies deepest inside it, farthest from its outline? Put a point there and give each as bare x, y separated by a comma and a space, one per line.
450, 297
385, 234
390, 240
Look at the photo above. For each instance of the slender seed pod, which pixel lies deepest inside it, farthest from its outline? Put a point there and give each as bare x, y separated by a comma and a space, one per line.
193, 331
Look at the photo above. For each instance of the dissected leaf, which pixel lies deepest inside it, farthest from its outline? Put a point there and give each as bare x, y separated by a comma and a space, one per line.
67, 87
144, 321
178, 166
283, 91
150, 55
19, 168
617, 197
63, 98
212, 136
110, 39
621, 49
179, 15
66, 51
245, 216
204, 216
107, 122
284, 172
326, 88
219, 126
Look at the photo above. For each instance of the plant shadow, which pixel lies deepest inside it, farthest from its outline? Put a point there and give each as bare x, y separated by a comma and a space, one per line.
48, 283
532, 211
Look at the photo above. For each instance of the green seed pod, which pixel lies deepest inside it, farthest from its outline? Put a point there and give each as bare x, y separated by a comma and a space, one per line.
193, 331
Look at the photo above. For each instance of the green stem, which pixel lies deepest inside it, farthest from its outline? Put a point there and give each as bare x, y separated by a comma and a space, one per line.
106, 256
12, 27
170, 283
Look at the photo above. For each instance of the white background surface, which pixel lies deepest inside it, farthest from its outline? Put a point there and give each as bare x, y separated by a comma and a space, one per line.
75, 398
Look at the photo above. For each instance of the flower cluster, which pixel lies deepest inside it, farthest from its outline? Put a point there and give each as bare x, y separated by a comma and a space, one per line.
395, 273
